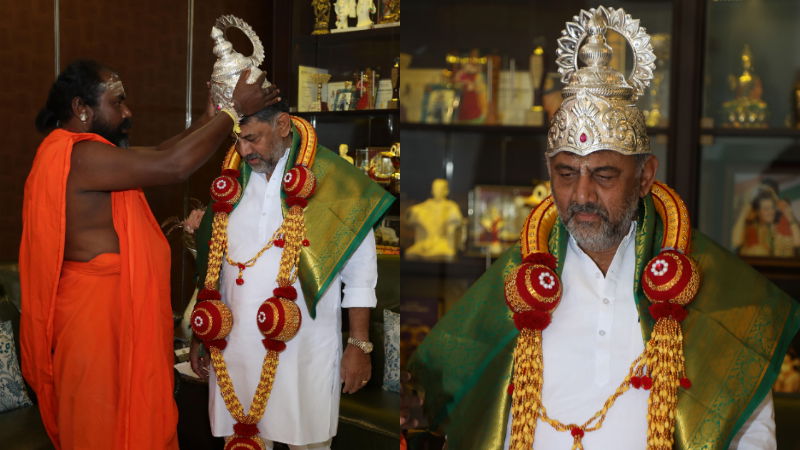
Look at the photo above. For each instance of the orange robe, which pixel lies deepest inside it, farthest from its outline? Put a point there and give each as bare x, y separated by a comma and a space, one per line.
96, 337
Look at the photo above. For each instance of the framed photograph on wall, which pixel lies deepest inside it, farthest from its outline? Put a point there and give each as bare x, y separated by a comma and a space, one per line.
763, 213
439, 104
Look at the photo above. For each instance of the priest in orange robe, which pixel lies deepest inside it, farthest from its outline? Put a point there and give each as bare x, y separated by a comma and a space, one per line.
96, 326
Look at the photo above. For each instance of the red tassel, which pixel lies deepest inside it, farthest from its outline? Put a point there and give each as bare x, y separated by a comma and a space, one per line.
245, 429
287, 292
686, 383
222, 207
577, 432
636, 382
279, 243
306, 243
272, 344
533, 319
208, 294
545, 259
647, 382
239, 281
296, 201
661, 310
217, 343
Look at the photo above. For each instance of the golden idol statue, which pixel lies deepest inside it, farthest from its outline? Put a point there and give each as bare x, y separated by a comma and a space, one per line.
746, 110
322, 14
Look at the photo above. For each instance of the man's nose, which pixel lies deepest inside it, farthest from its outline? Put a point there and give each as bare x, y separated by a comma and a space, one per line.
126, 112
585, 191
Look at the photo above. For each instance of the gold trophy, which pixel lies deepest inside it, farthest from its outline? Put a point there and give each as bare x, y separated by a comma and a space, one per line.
746, 110
322, 13
394, 103
319, 79
535, 115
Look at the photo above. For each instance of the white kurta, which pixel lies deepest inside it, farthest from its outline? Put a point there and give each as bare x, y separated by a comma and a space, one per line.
588, 349
304, 404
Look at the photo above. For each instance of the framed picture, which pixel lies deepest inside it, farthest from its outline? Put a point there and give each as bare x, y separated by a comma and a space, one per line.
763, 213
439, 104
496, 214
343, 101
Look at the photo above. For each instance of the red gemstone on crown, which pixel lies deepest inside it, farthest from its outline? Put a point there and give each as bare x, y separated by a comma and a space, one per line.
583, 137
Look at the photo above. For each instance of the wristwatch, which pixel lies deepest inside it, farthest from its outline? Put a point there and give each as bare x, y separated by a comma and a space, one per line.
364, 346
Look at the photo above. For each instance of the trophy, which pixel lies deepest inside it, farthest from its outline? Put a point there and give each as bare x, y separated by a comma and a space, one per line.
319, 79
661, 43
322, 13
746, 110
230, 63
395, 101
535, 115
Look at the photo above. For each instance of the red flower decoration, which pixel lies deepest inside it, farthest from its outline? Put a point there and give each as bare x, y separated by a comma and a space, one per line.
545, 259
279, 243
275, 346
225, 188
533, 286
222, 207
278, 318
211, 320
662, 310
576, 432
306, 243
510, 388
239, 281
533, 320
287, 292
299, 181
647, 382
670, 276
686, 383
245, 429
296, 201
636, 382
208, 294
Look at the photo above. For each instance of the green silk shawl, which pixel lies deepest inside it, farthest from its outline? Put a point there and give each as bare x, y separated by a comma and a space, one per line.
345, 206
737, 331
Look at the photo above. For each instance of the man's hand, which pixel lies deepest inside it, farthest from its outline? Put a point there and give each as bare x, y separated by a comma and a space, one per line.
199, 359
251, 98
356, 369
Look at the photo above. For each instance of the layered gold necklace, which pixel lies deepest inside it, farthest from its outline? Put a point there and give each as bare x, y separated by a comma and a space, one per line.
533, 290
278, 318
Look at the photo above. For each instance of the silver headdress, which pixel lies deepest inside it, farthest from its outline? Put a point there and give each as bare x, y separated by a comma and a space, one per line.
599, 110
230, 64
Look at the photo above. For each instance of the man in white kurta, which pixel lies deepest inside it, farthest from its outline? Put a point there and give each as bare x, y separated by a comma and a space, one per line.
588, 348
307, 383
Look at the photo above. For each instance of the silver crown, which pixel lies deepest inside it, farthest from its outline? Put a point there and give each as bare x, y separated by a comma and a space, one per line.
599, 110
230, 63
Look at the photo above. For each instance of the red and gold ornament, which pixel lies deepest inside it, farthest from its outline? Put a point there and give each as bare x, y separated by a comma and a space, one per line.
299, 181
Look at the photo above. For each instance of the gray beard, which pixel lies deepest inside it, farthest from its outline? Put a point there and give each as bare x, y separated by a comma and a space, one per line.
605, 235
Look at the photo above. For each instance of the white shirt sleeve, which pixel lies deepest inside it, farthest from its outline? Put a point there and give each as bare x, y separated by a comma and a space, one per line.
360, 275
758, 433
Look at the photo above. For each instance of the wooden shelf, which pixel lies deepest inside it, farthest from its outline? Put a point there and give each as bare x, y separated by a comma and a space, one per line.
752, 132
384, 33
353, 113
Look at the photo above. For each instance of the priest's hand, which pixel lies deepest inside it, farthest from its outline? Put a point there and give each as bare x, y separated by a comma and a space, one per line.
356, 369
199, 358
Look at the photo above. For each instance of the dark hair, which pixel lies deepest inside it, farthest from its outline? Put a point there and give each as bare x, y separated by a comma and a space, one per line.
766, 193
269, 113
80, 79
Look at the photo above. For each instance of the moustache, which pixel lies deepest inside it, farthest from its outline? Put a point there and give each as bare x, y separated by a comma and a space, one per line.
587, 208
126, 124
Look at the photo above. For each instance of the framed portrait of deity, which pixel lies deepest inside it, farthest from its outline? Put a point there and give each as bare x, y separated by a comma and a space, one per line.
763, 214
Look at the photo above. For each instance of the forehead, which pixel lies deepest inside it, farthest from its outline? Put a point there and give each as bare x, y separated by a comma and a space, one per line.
602, 158
111, 85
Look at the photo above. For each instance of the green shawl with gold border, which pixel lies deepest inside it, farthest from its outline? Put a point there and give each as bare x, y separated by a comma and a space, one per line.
345, 206
737, 331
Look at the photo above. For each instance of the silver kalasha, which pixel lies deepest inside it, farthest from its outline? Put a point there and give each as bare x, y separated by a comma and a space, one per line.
230, 63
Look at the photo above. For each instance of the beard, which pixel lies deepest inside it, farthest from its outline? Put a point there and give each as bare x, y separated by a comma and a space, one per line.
266, 164
609, 231
115, 135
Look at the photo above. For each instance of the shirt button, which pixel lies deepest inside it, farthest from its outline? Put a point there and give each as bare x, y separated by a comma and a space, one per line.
602, 332
606, 301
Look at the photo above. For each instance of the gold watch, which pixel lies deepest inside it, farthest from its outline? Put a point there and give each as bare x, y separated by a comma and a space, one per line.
364, 346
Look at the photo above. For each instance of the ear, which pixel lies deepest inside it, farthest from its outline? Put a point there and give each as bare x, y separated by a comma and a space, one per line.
284, 124
648, 175
79, 107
